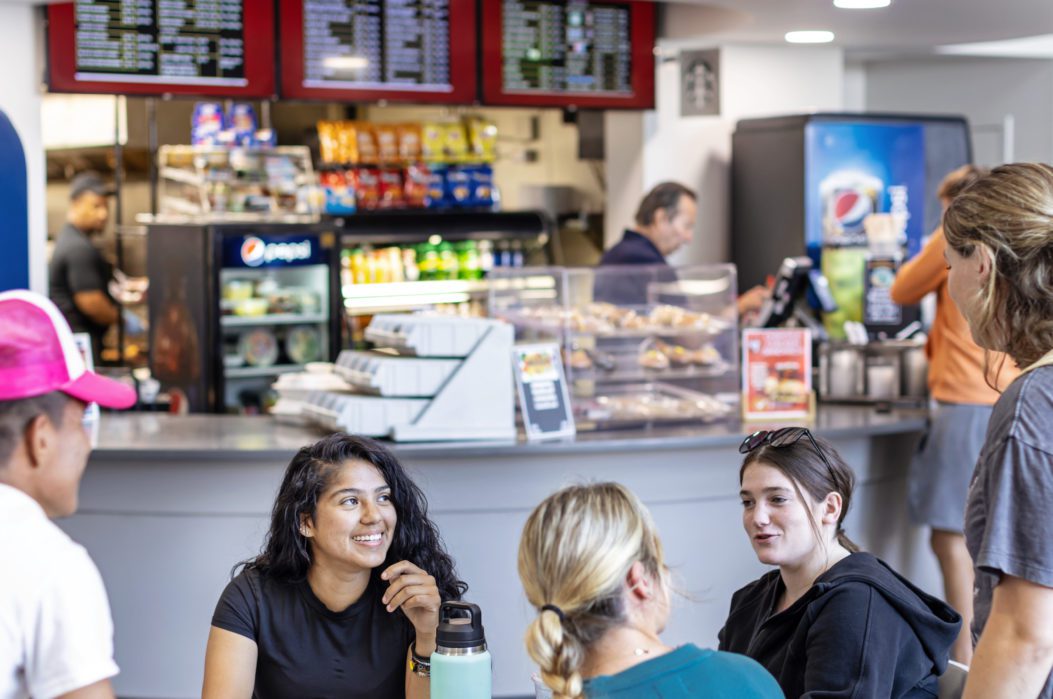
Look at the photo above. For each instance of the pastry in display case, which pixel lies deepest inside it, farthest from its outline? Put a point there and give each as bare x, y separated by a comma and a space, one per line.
641, 344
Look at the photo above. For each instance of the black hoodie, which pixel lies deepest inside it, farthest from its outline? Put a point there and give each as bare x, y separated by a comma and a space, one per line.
861, 631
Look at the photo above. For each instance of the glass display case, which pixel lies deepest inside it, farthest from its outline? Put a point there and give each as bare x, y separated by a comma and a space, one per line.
237, 183
641, 344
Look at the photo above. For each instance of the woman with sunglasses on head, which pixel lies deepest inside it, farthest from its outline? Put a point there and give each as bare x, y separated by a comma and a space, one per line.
591, 563
344, 599
1000, 275
831, 621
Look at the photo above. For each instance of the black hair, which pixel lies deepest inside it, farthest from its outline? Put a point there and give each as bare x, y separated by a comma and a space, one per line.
15, 416
664, 196
806, 469
286, 553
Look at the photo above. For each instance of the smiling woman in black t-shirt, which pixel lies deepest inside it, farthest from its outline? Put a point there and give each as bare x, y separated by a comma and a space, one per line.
346, 591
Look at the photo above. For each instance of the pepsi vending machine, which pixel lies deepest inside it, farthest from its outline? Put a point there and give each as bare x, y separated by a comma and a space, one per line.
804, 185
233, 306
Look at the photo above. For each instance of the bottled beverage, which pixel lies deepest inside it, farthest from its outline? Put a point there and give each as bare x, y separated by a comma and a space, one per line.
460, 665
502, 254
359, 271
396, 272
516, 251
427, 262
448, 262
468, 261
410, 270
486, 257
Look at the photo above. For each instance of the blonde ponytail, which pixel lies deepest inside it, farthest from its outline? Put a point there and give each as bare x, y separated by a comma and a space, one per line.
574, 555
558, 654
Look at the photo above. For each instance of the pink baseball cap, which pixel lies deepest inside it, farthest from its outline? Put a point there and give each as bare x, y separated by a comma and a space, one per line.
38, 355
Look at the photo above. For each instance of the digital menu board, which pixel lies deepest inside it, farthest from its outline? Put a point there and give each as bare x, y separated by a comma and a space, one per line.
200, 47
404, 50
568, 53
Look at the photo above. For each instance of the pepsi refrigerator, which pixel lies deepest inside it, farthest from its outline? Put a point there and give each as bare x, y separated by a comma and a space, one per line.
233, 306
805, 184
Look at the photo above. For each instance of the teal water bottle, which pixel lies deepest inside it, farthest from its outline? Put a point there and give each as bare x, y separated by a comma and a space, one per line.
460, 665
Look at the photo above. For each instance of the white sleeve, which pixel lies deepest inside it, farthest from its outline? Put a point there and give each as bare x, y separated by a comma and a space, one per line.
71, 633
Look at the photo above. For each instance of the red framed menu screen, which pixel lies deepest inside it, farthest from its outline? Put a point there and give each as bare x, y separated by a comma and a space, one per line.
569, 53
223, 48
368, 50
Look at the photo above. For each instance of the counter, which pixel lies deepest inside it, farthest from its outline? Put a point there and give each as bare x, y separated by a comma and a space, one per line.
169, 504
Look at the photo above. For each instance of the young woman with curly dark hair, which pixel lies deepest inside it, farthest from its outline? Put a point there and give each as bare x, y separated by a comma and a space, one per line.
344, 598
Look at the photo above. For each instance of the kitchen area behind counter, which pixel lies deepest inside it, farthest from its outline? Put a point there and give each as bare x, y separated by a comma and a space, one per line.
169, 504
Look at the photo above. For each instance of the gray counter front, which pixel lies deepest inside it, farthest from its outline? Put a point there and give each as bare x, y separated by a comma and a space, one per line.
169, 504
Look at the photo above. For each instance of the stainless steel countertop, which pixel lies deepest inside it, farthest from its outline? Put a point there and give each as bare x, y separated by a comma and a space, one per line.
154, 436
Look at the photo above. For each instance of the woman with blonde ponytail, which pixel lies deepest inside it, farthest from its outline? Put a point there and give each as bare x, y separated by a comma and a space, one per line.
1000, 275
591, 563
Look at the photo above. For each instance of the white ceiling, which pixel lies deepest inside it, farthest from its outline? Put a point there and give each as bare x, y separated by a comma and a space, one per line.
907, 25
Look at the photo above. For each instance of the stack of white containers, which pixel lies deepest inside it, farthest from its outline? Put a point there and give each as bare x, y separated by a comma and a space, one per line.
430, 378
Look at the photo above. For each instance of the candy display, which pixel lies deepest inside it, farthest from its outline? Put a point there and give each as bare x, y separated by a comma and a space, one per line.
238, 127
437, 165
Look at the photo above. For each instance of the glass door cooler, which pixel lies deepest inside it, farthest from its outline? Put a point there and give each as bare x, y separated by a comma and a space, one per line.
235, 305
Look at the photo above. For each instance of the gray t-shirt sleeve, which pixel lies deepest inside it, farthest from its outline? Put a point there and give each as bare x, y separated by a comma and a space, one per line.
1018, 493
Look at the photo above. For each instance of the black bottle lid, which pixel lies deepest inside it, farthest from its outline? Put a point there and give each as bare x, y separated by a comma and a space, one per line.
460, 626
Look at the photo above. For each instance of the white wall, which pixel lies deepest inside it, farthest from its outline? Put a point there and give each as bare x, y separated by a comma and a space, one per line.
855, 86
20, 100
986, 90
755, 81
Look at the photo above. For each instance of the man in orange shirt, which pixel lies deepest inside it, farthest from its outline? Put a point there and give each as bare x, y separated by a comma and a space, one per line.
962, 382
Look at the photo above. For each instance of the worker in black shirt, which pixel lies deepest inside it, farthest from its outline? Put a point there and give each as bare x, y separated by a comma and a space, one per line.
665, 222
79, 276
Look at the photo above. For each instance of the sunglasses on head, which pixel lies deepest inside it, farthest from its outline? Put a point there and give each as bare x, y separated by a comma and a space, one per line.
785, 437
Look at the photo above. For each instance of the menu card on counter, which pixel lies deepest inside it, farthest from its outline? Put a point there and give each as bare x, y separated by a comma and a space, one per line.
776, 374
542, 388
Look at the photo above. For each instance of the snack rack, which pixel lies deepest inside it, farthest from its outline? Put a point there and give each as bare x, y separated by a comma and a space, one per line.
238, 183
641, 344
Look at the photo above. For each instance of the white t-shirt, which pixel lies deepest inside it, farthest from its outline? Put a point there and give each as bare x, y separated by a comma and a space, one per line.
56, 634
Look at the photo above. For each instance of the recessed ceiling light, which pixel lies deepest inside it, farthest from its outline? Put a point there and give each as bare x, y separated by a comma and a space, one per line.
861, 4
810, 37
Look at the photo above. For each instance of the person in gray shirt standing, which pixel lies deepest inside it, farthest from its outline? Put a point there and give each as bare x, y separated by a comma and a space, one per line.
1000, 259
78, 275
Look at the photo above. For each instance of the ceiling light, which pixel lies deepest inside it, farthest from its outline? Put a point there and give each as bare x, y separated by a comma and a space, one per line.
810, 37
861, 4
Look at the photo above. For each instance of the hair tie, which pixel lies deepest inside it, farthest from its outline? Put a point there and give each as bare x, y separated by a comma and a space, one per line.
556, 610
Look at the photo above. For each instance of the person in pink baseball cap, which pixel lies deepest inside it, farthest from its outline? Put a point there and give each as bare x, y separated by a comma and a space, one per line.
58, 639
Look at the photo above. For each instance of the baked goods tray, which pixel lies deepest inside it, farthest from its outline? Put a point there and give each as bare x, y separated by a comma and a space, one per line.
567, 329
633, 405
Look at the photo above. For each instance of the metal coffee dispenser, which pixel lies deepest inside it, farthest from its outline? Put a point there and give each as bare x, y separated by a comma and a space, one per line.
876, 372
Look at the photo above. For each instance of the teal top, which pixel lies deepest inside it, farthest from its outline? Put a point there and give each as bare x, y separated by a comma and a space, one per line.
686, 673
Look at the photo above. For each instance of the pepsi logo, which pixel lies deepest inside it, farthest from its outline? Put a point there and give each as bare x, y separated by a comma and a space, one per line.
851, 206
253, 251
